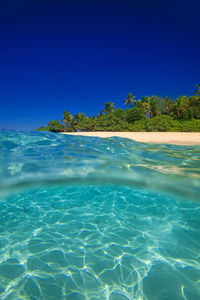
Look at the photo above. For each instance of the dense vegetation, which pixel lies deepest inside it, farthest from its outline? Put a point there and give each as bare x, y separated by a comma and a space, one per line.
146, 114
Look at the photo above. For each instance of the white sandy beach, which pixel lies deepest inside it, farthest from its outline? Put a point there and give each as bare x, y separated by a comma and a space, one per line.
176, 138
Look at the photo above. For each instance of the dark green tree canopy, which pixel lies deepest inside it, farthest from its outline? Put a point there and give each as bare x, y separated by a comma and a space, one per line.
146, 114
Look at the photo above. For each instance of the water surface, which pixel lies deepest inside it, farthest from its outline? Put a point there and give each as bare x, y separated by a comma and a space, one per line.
91, 218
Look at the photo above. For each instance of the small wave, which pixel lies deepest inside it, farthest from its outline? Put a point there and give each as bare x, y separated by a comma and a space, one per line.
104, 234
37, 159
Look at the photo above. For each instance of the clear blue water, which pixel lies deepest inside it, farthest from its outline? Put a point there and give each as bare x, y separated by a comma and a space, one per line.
91, 218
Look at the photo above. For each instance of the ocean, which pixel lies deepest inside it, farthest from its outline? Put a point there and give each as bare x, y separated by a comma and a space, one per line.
90, 218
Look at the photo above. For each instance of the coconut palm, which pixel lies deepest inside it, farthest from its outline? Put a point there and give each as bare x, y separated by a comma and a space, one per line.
197, 92
79, 121
180, 105
168, 106
109, 106
145, 104
130, 100
153, 107
67, 119
79, 117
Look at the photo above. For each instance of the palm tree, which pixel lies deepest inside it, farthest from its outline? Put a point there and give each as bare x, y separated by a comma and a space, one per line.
130, 100
157, 106
91, 123
79, 120
101, 113
79, 117
153, 107
67, 119
72, 126
145, 103
168, 105
109, 106
180, 105
197, 92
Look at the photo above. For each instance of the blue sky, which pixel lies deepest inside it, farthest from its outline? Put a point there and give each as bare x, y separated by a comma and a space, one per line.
76, 55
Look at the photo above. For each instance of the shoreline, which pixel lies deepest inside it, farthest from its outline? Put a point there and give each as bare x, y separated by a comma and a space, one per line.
175, 138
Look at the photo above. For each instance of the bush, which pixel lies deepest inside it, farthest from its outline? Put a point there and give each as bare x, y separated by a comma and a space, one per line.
137, 126
55, 126
43, 128
135, 114
110, 122
162, 123
87, 124
119, 113
189, 126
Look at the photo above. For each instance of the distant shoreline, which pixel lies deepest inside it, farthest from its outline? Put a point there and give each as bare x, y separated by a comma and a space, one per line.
175, 138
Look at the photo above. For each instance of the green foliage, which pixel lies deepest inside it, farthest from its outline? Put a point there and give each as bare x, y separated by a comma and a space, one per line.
109, 107
104, 123
55, 126
138, 126
84, 123
197, 92
148, 114
119, 113
186, 108
43, 128
111, 122
167, 107
68, 121
135, 114
145, 105
129, 101
89, 124
189, 126
161, 123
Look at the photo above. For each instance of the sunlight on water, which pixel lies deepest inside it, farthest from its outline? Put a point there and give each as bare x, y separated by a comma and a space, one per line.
87, 218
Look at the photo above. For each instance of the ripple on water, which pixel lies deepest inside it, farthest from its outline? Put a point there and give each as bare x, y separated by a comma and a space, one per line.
95, 242
91, 218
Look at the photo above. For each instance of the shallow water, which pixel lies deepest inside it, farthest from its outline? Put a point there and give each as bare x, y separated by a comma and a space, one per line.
91, 218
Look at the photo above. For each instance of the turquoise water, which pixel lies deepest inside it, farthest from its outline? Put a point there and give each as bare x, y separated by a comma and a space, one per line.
91, 218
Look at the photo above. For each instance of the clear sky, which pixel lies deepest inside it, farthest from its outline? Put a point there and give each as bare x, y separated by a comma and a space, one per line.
76, 55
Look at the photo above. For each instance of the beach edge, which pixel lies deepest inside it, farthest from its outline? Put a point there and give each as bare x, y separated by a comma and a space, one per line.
175, 138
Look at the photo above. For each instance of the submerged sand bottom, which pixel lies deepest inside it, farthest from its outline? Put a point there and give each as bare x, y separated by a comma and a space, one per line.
176, 138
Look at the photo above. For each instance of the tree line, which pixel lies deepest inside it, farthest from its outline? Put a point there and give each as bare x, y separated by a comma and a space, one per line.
146, 114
